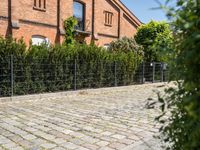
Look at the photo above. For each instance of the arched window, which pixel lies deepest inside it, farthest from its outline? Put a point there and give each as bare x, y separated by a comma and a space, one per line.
38, 40
79, 14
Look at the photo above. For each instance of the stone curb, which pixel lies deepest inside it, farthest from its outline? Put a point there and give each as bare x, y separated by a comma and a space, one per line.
66, 93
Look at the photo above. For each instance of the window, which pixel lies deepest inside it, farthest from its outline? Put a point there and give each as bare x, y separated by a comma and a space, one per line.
106, 46
40, 5
79, 14
38, 40
108, 18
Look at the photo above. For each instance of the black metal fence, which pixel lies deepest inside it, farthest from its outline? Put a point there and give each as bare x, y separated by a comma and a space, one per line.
19, 77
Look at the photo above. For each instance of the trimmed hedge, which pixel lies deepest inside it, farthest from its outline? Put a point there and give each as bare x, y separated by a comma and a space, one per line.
38, 69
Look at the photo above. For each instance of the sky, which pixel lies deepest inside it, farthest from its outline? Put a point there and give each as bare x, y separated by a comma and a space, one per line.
143, 10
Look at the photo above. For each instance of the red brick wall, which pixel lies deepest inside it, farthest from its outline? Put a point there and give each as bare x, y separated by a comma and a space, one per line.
100, 28
4, 8
3, 27
27, 30
44, 23
127, 29
23, 9
3, 17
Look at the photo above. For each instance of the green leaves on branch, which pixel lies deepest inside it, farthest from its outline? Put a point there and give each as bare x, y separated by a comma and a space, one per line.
182, 127
69, 26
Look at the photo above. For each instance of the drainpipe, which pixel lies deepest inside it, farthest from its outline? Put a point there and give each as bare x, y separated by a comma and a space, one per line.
58, 22
93, 16
9, 30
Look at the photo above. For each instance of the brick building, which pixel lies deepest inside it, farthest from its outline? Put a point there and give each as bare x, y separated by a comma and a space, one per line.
40, 20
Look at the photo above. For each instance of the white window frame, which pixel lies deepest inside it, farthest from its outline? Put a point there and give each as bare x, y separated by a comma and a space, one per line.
38, 40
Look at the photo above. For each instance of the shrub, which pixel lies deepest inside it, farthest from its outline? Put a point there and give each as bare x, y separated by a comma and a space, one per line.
52, 68
127, 45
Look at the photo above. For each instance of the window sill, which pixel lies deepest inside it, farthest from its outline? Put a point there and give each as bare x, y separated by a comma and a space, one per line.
108, 25
39, 9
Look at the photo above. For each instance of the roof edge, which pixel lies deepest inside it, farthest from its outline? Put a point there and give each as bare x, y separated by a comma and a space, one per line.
131, 13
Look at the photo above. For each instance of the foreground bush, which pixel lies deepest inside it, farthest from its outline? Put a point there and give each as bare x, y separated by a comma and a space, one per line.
44, 69
182, 128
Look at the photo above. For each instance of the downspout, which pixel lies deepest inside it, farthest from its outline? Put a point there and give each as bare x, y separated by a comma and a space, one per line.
58, 22
93, 16
9, 30
119, 24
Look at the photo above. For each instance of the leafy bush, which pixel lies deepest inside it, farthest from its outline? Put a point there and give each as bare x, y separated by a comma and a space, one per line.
44, 69
182, 128
156, 39
126, 45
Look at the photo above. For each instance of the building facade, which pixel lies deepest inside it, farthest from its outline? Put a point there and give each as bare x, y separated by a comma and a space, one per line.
101, 21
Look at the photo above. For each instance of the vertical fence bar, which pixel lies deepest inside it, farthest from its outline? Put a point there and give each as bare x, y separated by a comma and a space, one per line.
75, 74
143, 69
153, 76
115, 67
162, 74
11, 75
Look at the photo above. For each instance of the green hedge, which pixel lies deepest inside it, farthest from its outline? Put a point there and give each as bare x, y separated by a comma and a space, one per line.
39, 69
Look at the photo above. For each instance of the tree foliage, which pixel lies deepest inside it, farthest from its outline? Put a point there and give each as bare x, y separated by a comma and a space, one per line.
156, 39
182, 128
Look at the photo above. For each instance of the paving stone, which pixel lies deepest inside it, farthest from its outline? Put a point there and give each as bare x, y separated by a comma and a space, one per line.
16, 138
118, 136
26, 144
127, 141
90, 140
106, 148
18, 148
105, 119
67, 131
69, 145
77, 134
48, 145
29, 137
58, 148
38, 141
107, 133
102, 143
77, 141
81, 148
90, 146
59, 141
9, 145
117, 146
4, 141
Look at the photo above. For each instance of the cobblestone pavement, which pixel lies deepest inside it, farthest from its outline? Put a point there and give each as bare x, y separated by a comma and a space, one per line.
103, 119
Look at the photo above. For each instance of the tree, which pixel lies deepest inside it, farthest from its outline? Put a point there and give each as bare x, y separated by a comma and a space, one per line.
156, 38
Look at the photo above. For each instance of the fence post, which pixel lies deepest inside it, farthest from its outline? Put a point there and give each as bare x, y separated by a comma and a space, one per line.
153, 72
143, 67
115, 65
162, 74
11, 75
75, 73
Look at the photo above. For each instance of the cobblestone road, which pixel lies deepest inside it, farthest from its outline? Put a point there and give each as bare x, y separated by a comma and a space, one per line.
104, 119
